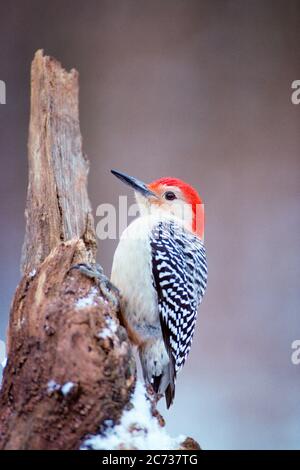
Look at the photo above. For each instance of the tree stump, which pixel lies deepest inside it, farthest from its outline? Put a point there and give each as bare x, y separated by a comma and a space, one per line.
61, 380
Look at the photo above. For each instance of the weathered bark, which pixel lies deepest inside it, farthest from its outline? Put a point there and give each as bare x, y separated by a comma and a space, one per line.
58, 208
54, 337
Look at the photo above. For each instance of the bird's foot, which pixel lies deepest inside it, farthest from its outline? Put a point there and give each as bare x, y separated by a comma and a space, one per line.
154, 397
152, 394
107, 288
150, 390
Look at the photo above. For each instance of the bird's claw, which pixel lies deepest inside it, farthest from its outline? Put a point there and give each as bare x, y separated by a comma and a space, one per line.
153, 396
95, 272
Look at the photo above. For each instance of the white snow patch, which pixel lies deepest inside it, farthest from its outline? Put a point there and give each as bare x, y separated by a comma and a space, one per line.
88, 300
32, 273
52, 386
138, 429
67, 387
110, 330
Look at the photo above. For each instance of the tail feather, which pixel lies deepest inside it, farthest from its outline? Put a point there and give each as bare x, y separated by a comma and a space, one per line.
170, 389
164, 387
170, 394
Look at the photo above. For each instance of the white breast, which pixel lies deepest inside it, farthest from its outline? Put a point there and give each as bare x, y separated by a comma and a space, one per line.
132, 272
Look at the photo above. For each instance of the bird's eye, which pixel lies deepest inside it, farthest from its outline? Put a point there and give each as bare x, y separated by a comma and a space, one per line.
170, 196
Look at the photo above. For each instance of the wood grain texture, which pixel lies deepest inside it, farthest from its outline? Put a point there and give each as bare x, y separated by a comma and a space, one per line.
58, 208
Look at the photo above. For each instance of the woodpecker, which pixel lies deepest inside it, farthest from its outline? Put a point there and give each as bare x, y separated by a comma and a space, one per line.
160, 270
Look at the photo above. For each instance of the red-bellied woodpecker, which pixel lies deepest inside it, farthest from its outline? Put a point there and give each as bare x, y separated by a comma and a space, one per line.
160, 270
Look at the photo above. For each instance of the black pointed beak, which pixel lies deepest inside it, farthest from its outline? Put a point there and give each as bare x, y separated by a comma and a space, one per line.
134, 183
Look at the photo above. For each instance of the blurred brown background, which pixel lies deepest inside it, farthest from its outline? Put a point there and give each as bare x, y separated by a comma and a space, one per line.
198, 90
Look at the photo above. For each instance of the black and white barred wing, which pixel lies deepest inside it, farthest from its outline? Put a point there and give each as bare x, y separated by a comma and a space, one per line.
179, 274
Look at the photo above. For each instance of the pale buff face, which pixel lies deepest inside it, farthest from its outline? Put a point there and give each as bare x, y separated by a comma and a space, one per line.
177, 207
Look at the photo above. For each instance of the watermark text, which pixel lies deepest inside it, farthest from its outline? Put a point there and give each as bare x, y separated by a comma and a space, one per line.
295, 356
295, 96
114, 220
2, 92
